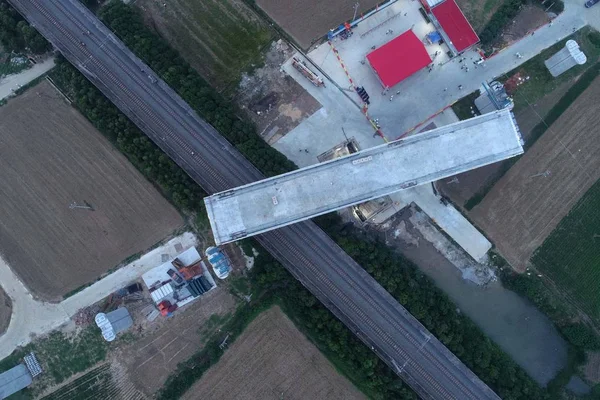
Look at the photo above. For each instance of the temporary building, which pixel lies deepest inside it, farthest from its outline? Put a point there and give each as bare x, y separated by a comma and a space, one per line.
398, 59
459, 32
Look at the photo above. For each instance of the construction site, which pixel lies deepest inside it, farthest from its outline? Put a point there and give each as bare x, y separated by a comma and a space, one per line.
362, 105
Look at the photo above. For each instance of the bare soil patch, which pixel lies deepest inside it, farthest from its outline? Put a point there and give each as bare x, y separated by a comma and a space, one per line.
478, 12
308, 20
5, 311
524, 207
275, 102
50, 157
529, 18
272, 360
161, 345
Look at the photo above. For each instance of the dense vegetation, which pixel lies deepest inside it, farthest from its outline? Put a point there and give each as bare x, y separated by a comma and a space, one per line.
166, 62
570, 256
507, 11
17, 35
490, 34
581, 337
144, 154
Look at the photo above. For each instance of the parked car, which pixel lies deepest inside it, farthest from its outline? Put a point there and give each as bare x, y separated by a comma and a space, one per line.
590, 3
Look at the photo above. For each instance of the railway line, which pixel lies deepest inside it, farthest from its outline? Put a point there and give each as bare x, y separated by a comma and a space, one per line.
306, 251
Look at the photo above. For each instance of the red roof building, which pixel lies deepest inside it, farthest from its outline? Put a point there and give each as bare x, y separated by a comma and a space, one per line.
399, 58
455, 25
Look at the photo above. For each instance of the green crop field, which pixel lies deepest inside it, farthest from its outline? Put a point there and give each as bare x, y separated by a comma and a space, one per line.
570, 256
219, 38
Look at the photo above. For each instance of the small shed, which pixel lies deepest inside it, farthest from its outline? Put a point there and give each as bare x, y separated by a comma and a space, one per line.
13, 380
113, 322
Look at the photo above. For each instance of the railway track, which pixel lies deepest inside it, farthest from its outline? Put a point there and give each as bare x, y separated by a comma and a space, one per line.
306, 251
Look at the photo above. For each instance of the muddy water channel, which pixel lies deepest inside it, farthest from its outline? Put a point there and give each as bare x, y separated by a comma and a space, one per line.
512, 322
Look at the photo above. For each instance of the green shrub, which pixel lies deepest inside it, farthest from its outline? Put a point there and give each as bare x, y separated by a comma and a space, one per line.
594, 38
499, 20
581, 336
16, 34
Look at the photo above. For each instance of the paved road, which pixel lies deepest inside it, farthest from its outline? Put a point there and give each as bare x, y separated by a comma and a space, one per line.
32, 317
10, 83
306, 251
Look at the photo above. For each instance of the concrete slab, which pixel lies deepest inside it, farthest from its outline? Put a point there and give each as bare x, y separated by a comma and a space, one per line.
9, 84
425, 93
275, 202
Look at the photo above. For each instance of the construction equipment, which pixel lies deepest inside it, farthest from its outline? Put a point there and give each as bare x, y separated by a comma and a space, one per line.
166, 308
304, 70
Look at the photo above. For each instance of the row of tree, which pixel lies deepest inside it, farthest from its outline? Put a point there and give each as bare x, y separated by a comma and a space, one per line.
128, 25
17, 35
490, 34
141, 151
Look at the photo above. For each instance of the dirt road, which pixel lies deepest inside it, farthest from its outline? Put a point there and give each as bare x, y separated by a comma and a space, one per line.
52, 158
531, 199
272, 360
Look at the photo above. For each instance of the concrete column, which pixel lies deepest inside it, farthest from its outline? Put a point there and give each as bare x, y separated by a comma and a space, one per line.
565, 59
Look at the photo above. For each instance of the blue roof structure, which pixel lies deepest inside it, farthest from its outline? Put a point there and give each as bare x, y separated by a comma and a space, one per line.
13, 380
434, 37
219, 262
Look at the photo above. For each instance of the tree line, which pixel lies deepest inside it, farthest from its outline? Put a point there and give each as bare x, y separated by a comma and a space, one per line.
505, 14
16, 35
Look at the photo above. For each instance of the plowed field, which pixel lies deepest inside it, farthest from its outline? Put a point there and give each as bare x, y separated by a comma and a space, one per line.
525, 206
272, 360
51, 159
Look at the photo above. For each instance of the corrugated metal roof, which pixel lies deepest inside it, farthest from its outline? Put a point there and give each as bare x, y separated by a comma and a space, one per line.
433, 3
161, 293
219, 262
399, 58
455, 25
13, 380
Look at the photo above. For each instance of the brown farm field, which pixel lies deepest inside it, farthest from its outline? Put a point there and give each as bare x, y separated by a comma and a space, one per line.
51, 156
525, 206
272, 360
308, 20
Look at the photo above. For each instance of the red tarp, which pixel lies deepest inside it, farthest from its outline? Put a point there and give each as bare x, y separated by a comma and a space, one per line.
455, 24
399, 58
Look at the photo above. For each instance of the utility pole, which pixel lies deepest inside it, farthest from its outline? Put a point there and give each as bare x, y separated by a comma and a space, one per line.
84, 206
344, 132
355, 11
545, 174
